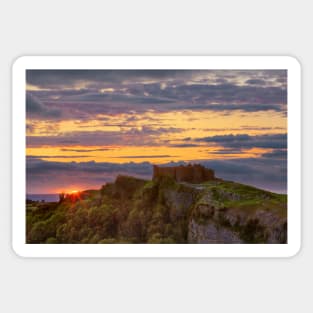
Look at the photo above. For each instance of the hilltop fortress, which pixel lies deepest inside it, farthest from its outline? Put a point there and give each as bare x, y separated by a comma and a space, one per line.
191, 173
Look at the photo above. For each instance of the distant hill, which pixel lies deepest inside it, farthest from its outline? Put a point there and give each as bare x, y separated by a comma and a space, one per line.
133, 210
43, 197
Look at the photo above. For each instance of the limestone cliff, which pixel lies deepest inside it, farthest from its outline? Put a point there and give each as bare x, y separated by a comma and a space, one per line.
216, 211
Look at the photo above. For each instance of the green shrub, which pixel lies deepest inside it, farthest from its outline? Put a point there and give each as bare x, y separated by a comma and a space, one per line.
40, 232
51, 240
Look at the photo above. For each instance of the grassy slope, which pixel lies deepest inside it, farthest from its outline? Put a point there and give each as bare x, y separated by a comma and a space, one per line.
247, 198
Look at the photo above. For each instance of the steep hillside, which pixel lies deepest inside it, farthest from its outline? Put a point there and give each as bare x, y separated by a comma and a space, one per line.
132, 210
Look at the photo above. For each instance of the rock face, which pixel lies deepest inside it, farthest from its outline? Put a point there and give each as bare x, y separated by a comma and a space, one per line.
195, 173
211, 233
213, 222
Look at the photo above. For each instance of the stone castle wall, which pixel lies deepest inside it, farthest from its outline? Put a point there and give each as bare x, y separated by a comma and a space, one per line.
190, 173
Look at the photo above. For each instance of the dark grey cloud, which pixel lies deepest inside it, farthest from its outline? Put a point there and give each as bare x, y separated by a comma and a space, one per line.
58, 156
59, 78
77, 93
245, 141
146, 135
145, 156
30, 128
243, 107
226, 151
276, 154
35, 108
44, 176
243, 127
56, 79
38, 166
119, 98
266, 173
255, 82
86, 110
232, 94
184, 145
85, 150
246, 127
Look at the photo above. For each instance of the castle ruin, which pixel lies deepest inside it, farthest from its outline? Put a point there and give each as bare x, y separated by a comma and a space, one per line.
191, 173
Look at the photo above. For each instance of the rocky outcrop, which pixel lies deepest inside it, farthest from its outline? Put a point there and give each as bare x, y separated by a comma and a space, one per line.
162, 210
195, 173
124, 187
210, 225
218, 212
211, 233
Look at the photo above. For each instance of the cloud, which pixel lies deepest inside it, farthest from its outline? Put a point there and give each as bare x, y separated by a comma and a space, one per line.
226, 151
145, 135
49, 79
242, 107
85, 150
144, 156
58, 156
120, 98
35, 108
255, 82
59, 78
245, 141
276, 154
184, 145
266, 173
243, 127
78, 94
232, 94
38, 166
42, 176
48, 176
30, 128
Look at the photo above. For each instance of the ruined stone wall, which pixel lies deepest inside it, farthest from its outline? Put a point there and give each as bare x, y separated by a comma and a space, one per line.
164, 171
190, 173
184, 173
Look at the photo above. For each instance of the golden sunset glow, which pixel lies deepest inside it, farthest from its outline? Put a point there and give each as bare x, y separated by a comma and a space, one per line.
123, 122
137, 154
207, 124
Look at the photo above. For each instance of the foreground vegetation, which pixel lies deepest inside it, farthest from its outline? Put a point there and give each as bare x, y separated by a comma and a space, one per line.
132, 210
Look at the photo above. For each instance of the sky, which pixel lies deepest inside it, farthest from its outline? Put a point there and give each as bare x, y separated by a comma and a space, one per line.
85, 127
